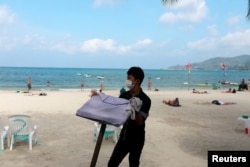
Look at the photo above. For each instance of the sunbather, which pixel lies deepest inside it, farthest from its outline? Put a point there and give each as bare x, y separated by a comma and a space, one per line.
196, 91
229, 91
174, 102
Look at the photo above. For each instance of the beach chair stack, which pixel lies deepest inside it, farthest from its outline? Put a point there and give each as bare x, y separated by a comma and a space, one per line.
20, 128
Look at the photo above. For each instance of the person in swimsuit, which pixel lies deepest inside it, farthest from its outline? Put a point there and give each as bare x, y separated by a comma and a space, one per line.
29, 84
174, 102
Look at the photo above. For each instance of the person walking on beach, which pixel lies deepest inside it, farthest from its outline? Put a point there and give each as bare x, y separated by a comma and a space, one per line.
132, 135
149, 83
48, 84
101, 86
29, 84
82, 85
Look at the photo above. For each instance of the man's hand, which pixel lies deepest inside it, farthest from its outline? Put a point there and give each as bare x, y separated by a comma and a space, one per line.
139, 119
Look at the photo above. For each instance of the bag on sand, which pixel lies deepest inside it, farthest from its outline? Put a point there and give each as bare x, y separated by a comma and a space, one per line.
105, 109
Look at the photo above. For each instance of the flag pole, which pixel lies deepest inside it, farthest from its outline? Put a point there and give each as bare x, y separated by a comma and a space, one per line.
223, 65
188, 66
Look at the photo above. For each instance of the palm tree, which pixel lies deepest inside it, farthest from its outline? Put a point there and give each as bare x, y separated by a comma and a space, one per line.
169, 2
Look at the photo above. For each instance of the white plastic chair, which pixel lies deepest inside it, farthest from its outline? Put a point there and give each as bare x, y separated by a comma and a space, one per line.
21, 129
109, 131
4, 135
242, 123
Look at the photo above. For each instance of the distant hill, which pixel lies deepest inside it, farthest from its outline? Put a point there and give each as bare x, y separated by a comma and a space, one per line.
232, 63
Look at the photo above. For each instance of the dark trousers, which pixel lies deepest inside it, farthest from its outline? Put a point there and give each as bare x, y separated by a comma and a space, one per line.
123, 147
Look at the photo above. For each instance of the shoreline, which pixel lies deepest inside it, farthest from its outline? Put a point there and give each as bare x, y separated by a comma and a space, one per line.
87, 89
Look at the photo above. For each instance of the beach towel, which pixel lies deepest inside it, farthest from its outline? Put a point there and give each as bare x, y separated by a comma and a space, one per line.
134, 105
106, 109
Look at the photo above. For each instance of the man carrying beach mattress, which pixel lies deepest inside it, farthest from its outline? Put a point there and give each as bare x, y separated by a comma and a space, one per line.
132, 135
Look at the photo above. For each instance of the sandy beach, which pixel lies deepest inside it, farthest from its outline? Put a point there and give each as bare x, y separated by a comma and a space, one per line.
175, 136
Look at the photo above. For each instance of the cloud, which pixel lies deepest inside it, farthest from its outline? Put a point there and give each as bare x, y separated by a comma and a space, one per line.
234, 20
109, 45
6, 16
237, 40
187, 11
69, 46
188, 28
143, 43
65, 45
213, 30
204, 44
98, 3
95, 45
62, 47
7, 44
231, 42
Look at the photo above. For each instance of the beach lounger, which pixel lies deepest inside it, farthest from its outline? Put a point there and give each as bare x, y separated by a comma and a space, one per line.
3, 135
21, 129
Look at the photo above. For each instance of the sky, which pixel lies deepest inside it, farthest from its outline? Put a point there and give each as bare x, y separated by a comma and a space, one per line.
120, 33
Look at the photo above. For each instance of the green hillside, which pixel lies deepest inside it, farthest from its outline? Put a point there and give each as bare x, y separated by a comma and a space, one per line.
232, 63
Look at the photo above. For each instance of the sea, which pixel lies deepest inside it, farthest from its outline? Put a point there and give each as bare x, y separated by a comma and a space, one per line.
69, 79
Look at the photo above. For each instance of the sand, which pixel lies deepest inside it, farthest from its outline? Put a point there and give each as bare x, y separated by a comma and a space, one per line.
175, 136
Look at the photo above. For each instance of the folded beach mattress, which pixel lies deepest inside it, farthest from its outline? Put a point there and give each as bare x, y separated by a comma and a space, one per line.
105, 109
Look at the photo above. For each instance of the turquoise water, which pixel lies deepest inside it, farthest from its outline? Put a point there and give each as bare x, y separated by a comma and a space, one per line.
14, 78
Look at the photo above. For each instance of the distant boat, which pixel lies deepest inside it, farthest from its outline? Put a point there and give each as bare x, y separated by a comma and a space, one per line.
100, 77
158, 78
203, 84
228, 83
185, 83
87, 75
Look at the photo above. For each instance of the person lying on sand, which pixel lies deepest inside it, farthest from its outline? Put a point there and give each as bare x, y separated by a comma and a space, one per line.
198, 92
37, 94
217, 102
174, 102
229, 91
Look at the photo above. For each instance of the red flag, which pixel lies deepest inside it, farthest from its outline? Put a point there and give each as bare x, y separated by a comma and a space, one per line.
188, 66
223, 65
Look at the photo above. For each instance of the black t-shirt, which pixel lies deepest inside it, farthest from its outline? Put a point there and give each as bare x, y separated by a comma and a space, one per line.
131, 129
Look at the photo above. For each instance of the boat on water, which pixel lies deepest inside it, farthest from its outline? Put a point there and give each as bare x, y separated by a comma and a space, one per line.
229, 83
199, 84
203, 84
87, 75
100, 77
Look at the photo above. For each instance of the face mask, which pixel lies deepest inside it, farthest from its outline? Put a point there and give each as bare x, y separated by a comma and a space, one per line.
129, 84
